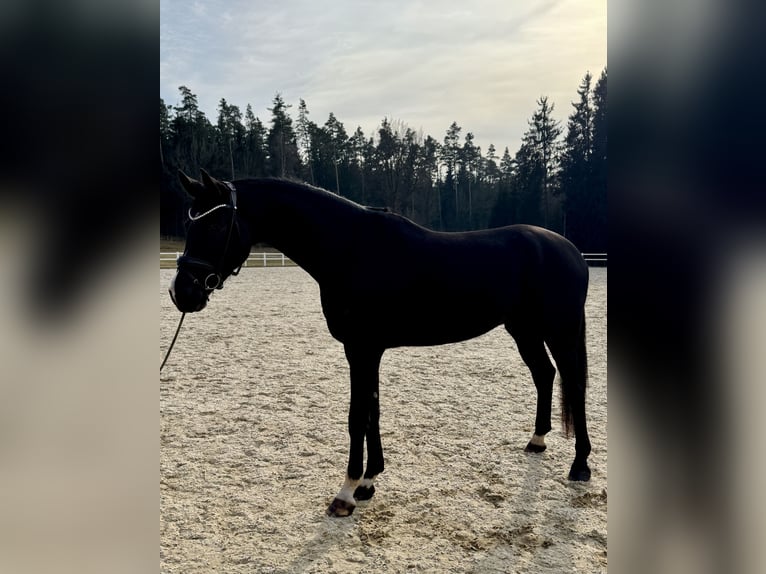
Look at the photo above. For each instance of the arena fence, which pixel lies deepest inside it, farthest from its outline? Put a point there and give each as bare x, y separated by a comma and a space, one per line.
276, 259
264, 259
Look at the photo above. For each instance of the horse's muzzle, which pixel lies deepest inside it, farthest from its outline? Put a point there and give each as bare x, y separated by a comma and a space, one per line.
186, 293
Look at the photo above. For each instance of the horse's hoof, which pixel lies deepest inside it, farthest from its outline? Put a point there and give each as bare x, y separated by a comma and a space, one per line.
536, 448
364, 493
340, 508
580, 474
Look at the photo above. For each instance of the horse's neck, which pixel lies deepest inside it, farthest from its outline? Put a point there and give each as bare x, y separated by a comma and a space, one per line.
311, 227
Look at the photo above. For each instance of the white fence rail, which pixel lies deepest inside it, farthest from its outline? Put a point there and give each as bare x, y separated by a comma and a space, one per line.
598, 259
264, 259
275, 259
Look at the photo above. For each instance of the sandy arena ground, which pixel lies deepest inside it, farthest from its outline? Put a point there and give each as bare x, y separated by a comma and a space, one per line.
253, 406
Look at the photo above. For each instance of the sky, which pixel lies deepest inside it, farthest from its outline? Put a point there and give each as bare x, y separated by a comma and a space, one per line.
481, 63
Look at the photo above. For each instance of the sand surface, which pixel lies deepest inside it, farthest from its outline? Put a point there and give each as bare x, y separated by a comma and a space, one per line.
254, 404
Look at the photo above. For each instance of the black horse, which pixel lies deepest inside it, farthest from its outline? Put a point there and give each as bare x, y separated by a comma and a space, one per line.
386, 282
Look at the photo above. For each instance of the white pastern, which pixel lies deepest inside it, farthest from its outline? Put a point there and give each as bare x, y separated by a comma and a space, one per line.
537, 440
347, 492
367, 482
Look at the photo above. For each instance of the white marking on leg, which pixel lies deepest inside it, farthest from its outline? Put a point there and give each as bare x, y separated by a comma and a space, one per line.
538, 440
367, 482
347, 492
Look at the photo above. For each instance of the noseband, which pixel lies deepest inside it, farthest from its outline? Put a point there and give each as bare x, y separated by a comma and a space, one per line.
214, 278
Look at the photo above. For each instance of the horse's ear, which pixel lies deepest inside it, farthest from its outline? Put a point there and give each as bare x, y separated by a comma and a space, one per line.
212, 184
206, 179
192, 186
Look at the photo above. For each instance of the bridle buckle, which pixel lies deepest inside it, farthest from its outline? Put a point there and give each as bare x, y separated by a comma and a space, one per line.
215, 284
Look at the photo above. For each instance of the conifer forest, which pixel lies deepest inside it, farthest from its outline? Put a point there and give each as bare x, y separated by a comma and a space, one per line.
557, 178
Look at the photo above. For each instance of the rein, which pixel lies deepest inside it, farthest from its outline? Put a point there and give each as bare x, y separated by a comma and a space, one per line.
173, 342
217, 271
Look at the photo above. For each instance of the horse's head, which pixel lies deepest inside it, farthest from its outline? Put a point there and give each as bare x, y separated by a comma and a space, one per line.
217, 243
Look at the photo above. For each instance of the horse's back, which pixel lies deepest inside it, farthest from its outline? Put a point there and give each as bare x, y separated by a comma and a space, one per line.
532, 254
503, 263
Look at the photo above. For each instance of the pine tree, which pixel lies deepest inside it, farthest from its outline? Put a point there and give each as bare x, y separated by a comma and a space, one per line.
255, 145
599, 167
321, 154
583, 167
428, 170
504, 210
189, 108
338, 141
527, 185
303, 129
491, 170
284, 160
506, 166
231, 134
468, 158
575, 180
165, 130
449, 158
389, 159
537, 163
195, 141
360, 150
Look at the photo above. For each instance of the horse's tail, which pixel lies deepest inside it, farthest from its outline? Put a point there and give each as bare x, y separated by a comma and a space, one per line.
573, 383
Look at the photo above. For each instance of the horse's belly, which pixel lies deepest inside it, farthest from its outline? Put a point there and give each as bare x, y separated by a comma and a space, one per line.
443, 337
414, 321
421, 328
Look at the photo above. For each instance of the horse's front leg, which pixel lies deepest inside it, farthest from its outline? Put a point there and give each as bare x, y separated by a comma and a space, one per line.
364, 364
366, 488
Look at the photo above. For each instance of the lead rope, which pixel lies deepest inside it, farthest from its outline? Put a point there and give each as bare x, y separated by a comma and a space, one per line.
173, 342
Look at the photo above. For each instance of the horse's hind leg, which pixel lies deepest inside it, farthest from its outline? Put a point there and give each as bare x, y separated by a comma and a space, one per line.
532, 351
569, 353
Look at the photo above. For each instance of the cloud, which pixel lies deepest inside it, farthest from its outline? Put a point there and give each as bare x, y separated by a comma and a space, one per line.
425, 63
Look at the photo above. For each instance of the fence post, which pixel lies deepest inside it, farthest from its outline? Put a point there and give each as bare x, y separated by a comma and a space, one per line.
283, 260
264, 259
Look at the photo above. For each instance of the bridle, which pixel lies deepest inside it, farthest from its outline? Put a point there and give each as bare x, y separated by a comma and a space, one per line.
215, 273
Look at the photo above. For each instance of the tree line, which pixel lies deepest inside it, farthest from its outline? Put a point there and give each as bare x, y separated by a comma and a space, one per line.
556, 179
